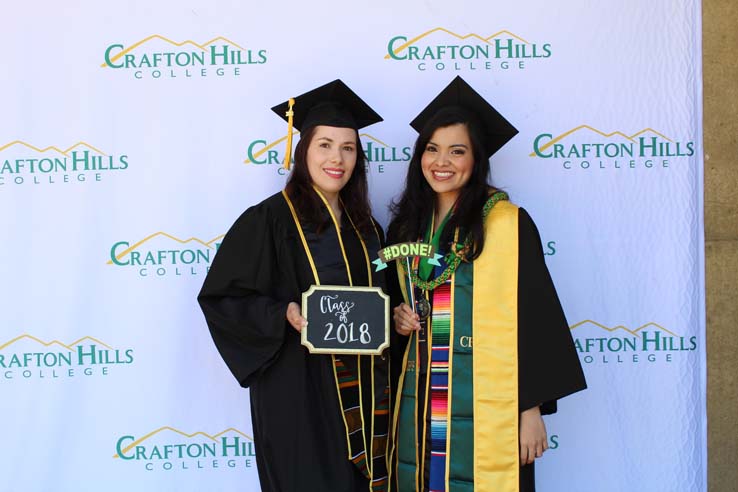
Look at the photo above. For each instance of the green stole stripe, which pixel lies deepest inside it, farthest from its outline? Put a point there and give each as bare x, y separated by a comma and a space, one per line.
461, 404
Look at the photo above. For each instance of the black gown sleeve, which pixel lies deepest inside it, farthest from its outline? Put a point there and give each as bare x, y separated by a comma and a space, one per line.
549, 366
239, 301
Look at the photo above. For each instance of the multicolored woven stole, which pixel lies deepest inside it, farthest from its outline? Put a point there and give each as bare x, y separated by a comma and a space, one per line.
348, 383
350, 397
380, 444
441, 329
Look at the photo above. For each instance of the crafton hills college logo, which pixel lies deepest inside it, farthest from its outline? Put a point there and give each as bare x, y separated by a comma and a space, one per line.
167, 449
378, 153
597, 343
441, 49
161, 255
586, 148
28, 357
158, 57
22, 163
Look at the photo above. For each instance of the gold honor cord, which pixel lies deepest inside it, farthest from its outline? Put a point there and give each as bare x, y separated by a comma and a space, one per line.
413, 340
426, 394
370, 456
389, 361
338, 233
417, 409
317, 282
393, 463
367, 452
290, 114
302, 237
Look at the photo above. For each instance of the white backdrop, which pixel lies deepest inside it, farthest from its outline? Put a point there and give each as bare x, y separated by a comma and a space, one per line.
133, 135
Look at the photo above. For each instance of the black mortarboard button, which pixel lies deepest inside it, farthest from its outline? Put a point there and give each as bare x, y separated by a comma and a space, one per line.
332, 104
496, 130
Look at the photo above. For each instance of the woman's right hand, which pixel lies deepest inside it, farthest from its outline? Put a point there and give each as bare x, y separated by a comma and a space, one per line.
294, 317
406, 321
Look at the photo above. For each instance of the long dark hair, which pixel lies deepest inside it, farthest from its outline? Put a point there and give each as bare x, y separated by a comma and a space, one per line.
417, 203
354, 195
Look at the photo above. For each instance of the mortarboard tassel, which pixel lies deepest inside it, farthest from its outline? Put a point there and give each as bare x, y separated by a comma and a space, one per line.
288, 154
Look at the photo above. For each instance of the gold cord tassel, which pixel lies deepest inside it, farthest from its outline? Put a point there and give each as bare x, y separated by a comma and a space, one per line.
288, 154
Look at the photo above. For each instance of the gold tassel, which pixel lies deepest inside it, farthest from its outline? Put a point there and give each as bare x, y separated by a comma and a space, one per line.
288, 154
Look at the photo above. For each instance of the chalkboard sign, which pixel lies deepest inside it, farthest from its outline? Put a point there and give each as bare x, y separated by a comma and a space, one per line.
345, 320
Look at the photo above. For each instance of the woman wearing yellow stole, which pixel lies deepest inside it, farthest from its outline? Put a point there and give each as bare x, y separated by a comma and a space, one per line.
320, 422
487, 348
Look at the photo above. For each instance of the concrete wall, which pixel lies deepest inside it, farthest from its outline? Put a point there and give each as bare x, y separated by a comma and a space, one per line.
720, 44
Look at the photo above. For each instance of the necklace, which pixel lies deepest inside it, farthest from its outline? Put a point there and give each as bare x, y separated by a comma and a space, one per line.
457, 253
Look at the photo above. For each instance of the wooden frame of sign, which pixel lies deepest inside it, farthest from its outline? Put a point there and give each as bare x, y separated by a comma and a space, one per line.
348, 320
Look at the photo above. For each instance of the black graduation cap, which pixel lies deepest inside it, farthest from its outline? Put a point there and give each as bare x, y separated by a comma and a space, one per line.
496, 130
332, 104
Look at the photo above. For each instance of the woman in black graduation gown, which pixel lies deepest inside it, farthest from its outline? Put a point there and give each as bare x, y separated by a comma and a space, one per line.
488, 349
313, 430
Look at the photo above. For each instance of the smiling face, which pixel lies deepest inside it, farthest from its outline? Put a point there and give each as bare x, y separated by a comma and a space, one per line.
447, 161
331, 158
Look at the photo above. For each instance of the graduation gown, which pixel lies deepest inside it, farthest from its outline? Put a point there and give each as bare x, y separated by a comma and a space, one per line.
547, 367
261, 266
